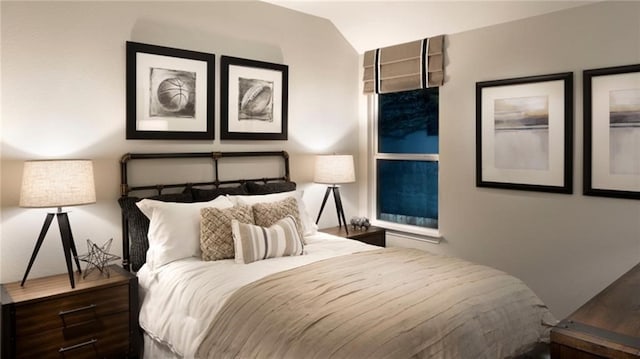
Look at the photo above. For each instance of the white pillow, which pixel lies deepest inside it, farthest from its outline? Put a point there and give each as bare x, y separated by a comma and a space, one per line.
174, 229
309, 226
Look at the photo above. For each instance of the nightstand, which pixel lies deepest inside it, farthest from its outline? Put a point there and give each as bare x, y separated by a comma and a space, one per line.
48, 319
373, 235
607, 326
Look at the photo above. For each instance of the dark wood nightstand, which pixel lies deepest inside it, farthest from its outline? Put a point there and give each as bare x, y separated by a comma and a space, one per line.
373, 235
48, 319
607, 326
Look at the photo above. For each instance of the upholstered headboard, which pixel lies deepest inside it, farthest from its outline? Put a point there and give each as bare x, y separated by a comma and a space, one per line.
135, 225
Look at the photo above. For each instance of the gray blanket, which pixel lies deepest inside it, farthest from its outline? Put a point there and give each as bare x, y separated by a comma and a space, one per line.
388, 303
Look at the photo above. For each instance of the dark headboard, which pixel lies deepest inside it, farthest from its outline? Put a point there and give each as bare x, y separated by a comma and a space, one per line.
129, 159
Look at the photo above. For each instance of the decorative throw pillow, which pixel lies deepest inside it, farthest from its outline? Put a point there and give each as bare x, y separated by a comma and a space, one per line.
267, 214
216, 240
138, 224
309, 226
207, 194
174, 229
253, 243
270, 187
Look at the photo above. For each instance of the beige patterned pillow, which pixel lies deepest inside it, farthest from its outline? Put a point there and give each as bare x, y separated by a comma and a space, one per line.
216, 239
267, 214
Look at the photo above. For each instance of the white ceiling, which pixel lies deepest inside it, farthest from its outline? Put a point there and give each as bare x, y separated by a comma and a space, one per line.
372, 24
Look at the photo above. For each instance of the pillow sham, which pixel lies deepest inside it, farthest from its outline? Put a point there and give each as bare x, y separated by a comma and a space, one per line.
174, 229
216, 239
309, 226
267, 214
138, 224
208, 194
270, 187
253, 243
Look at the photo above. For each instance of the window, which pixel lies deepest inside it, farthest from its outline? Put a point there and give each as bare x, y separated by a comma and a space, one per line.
406, 161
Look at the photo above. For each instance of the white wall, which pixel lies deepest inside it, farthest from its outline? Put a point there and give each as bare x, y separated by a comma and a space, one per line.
566, 247
63, 96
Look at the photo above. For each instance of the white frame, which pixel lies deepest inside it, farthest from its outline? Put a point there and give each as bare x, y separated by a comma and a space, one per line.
145, 122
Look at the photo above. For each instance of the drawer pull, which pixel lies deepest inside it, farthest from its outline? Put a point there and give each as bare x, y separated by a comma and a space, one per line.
91, 342
71, 311
63, 313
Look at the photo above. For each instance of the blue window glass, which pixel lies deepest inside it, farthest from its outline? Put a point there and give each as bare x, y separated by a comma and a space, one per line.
408, 192
408, 122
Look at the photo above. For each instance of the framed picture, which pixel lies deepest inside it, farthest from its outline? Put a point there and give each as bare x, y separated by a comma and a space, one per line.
612, 132
524, 133
253, 100
170, 93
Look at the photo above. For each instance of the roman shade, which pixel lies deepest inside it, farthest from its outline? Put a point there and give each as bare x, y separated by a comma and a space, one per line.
409, 66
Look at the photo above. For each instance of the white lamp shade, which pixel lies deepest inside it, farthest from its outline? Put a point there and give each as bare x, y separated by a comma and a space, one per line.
334, 169
57, 183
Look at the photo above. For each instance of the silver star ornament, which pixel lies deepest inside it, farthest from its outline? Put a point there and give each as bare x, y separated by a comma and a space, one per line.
98, 257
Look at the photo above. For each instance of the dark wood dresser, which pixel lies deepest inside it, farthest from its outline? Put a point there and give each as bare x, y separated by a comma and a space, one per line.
607, 326
48, 319
372, 235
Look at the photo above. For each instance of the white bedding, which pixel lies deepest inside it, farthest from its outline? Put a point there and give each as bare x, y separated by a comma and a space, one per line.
179, 300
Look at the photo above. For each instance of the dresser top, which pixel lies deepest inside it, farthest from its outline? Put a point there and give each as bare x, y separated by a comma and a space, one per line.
611, 318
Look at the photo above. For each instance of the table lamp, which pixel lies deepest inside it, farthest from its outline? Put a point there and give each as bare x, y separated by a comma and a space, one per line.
334, 170
57, 183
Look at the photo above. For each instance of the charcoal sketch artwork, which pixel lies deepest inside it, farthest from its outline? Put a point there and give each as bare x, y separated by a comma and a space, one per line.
522, 133
172, 93
624, 131
255, 100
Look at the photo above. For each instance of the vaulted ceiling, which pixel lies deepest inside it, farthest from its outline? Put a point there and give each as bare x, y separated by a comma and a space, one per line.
372, 24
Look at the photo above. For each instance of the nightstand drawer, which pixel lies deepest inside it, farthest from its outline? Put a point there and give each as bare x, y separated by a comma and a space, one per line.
96, 319
107, 336
372, 235
376, 238
71, 310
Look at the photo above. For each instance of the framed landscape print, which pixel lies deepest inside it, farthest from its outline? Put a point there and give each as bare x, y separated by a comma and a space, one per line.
524, 133
170, 93
612, 132
253, 99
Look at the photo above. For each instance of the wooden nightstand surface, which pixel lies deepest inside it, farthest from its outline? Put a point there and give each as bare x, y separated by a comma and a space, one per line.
48, 319
372, 235
45, 287
608, 325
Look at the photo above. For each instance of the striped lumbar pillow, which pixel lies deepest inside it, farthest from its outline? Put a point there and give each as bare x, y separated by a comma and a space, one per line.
253, 243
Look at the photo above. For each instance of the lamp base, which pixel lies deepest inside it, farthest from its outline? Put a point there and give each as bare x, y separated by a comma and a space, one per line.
68, 245
336, 195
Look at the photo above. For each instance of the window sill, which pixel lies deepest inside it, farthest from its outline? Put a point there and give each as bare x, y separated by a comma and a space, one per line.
411, 232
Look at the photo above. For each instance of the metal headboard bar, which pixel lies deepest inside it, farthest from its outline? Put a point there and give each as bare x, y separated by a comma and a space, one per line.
125, 188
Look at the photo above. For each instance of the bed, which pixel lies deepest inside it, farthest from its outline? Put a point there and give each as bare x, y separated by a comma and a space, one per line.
236, 268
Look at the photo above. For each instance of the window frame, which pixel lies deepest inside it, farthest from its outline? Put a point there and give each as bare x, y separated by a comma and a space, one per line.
404, 230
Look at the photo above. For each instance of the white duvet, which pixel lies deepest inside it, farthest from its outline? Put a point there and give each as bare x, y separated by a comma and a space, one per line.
180, 299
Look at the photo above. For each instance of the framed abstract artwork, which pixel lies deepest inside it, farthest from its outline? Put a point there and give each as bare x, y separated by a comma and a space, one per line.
170, 93
524, 133
612, 132
253, 99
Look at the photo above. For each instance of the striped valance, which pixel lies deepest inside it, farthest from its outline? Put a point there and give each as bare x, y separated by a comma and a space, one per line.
409, 66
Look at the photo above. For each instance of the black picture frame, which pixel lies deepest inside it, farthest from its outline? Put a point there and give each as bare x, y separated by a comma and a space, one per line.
170, 93
524, 133
611, 131
253, 99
